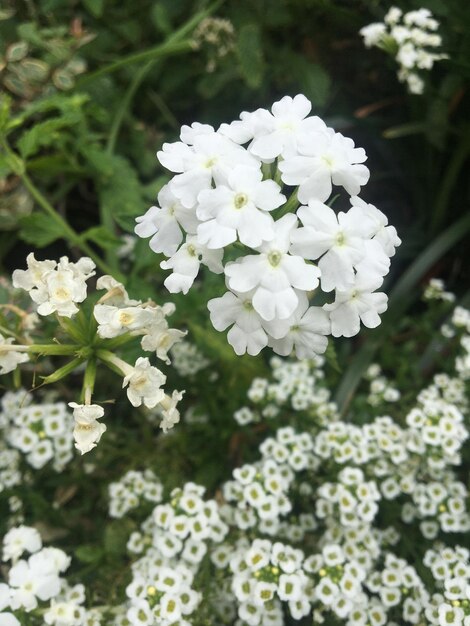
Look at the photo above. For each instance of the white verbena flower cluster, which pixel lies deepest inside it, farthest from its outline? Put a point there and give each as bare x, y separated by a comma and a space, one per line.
36, 582
55, 287
412, 39
41, 432
227, 191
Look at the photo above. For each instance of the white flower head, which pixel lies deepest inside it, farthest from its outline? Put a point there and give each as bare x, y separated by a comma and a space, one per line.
238, 209
166, 223
274, 274
143, 384
186, 262
87, 431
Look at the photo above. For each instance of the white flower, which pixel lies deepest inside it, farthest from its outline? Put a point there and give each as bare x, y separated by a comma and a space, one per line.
55, 287
233, 309
170, 414
185, 264
10, 360
87, 431
33, 277
273, 274
166, 223
144, 384
116, 294
356, 305
303, 332
114, 321
325, 159
32, 580
339, 238
20, 539
238, 208
210, 157
373, 33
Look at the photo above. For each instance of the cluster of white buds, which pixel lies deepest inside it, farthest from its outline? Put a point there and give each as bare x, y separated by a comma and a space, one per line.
412, 39
55, 287
59, 289
230, 191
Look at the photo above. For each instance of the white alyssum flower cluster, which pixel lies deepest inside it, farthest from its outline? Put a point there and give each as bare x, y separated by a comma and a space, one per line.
56, 287
297, 385
41, 432
229, 191
380, 390
435, 290
174, 541
412, 39
131, 490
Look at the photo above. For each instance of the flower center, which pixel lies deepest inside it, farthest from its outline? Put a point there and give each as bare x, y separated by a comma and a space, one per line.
240, 200
192, 250
210, 163
247, 305
340, 239
62, 293
274, 257
125, 318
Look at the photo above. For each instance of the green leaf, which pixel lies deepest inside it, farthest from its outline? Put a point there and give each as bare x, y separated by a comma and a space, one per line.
17, 51
45, 133
102, 237
89, 553
39, 229
95, 7
250, 55
315, 82
116, 535
332, 357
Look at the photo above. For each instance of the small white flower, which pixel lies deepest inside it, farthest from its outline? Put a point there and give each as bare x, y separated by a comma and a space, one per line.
10, 360
273, 274
143, 384
87, 431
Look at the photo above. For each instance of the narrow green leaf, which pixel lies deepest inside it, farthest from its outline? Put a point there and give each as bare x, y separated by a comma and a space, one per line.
250, 54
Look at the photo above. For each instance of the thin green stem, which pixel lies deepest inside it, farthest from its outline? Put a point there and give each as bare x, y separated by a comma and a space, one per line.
45, 348
163, 50
174, 45
89, 381
62, 372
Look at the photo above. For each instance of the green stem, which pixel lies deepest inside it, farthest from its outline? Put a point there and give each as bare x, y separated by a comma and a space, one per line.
175, 44
163, 50
62, 372
47, 348
289, 205
114, 362
69, 234
89, 381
